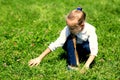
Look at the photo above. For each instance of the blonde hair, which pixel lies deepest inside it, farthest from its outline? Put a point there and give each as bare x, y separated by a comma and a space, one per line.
77, 15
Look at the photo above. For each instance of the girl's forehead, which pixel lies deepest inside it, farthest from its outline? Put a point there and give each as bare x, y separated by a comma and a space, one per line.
71, 23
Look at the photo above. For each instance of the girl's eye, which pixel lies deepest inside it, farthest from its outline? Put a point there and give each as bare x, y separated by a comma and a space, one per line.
72, 28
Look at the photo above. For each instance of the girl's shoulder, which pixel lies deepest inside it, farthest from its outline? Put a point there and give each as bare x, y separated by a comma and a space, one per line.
89, 26
65, 30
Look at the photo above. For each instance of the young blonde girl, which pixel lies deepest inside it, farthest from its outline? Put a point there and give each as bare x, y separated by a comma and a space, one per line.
78, 39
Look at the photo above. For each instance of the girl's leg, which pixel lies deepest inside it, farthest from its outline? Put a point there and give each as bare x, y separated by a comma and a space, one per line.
86, 48
69, 47
83, 50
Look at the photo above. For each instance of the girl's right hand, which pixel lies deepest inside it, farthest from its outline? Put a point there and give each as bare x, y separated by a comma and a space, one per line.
34, 62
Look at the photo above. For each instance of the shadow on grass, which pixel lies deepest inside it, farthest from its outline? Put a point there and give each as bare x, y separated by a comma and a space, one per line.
82, 58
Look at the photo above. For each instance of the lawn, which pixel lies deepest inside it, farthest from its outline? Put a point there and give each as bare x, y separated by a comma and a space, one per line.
27, 27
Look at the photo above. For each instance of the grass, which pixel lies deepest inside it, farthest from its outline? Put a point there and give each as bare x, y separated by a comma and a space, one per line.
27, 27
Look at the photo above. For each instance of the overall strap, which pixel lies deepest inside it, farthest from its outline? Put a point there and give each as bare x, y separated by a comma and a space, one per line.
76, 53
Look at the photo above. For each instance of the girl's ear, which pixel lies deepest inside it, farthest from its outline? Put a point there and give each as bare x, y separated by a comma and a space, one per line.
82, 24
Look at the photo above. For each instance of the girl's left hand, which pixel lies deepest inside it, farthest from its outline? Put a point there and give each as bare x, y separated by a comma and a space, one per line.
84, 69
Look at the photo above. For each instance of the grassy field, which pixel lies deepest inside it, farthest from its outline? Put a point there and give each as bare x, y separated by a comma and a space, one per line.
27, 27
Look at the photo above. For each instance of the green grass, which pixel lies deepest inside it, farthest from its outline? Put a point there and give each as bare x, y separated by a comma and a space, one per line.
27, 27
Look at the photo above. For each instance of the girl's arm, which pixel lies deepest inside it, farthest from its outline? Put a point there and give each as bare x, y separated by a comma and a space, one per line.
37, 60
87, 64
89, 61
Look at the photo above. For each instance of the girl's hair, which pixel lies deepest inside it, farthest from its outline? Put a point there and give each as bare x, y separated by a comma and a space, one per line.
77, 14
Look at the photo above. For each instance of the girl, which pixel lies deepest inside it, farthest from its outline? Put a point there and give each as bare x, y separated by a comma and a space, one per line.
78, 38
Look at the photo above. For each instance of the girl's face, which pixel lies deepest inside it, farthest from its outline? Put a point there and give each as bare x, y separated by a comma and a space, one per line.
74, 27
75, 21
